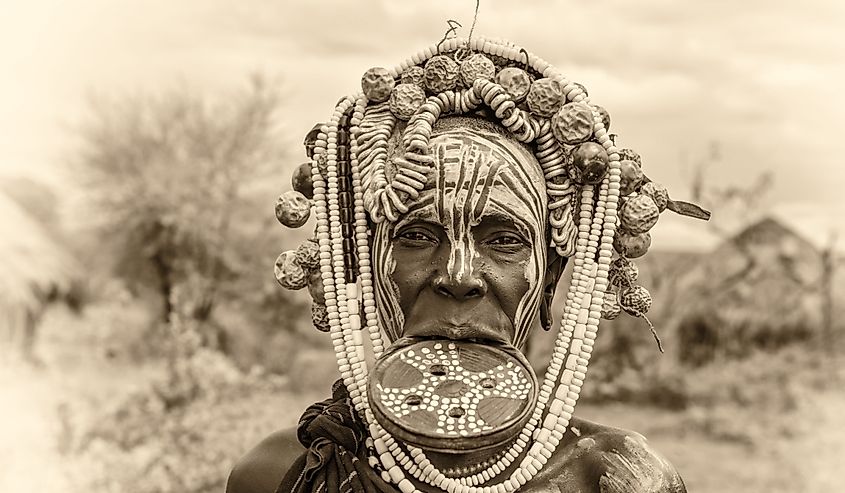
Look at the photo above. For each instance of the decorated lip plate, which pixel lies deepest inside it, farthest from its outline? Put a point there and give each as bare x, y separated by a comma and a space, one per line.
452, 395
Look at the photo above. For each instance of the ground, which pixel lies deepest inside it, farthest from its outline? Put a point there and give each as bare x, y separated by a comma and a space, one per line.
36, 428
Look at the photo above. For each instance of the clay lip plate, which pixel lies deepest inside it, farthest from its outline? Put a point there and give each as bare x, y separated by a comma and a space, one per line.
452, 396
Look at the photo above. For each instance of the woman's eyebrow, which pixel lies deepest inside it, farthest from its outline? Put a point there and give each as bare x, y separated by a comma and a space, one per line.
422, 214
493, 216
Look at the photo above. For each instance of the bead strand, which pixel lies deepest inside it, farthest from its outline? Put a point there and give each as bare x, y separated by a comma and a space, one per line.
323, 194
362, 238
350, 308
338, 310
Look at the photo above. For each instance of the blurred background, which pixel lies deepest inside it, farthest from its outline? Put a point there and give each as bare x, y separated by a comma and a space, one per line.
144, 343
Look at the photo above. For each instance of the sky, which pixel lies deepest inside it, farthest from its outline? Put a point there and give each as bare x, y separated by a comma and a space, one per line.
762, 79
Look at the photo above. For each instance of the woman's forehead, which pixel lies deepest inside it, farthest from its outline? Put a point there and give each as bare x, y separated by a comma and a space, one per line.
480, 174
452, 140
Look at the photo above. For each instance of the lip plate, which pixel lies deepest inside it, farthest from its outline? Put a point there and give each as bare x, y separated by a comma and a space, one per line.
419, 427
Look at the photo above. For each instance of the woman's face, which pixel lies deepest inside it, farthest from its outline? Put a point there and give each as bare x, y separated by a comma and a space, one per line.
468, 258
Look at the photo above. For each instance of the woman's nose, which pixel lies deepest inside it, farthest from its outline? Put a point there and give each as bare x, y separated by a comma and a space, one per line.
460, 289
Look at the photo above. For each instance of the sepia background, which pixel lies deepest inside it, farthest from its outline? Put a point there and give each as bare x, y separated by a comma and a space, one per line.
144, 343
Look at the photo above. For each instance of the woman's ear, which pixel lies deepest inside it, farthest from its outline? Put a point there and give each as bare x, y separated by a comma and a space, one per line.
556, 266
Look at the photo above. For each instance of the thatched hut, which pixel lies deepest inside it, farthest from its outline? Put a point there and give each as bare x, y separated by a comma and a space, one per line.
758, 290
761, 288
36, 270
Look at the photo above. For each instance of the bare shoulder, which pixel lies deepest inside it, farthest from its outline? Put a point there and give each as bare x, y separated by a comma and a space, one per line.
261, 470
603, 459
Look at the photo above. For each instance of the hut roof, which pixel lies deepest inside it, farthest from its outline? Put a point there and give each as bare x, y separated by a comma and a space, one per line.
761, 286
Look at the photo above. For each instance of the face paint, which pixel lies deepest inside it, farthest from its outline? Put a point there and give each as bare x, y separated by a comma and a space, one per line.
478, 176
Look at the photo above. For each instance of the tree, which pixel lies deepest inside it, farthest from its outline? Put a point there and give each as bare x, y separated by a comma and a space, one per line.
170, 182
735, 206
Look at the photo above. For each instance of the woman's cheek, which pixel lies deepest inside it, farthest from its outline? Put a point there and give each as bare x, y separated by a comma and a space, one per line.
410, 274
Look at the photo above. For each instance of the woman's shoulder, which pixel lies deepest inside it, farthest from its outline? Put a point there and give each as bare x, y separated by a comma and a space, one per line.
261, 470
600, 458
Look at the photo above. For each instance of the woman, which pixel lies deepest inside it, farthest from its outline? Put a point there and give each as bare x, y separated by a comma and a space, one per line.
449, 196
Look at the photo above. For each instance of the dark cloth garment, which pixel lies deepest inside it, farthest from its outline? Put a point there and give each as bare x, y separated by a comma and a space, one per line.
336, 459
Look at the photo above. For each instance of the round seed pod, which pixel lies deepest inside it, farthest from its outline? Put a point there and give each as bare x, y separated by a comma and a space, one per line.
631, 176
610, 308
405, 100
377, 84
320, 317
315, 287
301, 180
545, 97
293, 209
441, 74
573, 123
605, 117
658, 193
414, 75
631, 245
638, 214
589, 163
475, 67
308, 255
630, 155
515, 81
635, 300
290, 274
623, 272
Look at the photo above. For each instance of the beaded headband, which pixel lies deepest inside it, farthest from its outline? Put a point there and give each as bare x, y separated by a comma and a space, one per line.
352, 179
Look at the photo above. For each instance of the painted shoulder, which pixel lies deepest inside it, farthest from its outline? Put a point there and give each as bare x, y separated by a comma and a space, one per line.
261, 470
601, 459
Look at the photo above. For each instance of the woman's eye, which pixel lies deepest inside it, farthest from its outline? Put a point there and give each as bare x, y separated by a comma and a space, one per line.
506, 240
416, 236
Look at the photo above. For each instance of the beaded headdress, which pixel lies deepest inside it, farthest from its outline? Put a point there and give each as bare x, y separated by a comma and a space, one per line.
598, 200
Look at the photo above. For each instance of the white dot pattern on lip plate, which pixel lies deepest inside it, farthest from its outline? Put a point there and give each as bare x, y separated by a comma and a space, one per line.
510, 382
